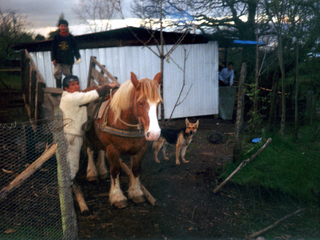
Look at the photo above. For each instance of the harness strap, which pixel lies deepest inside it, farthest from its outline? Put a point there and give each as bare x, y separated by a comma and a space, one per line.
120, 132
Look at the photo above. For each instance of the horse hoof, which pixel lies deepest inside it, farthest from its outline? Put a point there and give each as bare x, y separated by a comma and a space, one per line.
121, 204
139, 199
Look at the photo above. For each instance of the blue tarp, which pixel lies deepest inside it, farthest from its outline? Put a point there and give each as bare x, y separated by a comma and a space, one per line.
247, 42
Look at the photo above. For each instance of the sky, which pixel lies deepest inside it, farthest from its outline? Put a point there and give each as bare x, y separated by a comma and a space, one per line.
42, 15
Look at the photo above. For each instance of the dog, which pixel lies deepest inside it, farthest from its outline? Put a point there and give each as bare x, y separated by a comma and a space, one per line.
179, 137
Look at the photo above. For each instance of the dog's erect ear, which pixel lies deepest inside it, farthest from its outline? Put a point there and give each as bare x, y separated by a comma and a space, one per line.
187, 121
197, 123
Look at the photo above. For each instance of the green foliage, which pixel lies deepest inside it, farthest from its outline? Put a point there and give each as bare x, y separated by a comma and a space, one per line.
256, 117
285, 165
10, 79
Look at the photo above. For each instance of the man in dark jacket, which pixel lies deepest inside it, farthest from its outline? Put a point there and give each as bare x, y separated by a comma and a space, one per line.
64, 50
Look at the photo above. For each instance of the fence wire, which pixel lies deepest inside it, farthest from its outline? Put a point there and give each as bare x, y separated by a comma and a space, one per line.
32, 210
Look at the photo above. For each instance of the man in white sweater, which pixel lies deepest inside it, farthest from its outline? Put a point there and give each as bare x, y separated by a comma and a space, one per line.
75, 114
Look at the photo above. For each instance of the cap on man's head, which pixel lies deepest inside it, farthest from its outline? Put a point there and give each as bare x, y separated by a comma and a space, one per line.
68, 79
62, 21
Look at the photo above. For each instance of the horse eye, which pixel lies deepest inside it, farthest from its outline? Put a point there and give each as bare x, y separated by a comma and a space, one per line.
140, 103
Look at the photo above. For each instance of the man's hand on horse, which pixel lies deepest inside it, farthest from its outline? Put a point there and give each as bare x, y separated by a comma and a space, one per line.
106, 88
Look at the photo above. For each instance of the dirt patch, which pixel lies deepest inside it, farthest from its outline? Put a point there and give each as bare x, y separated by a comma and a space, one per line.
186, 206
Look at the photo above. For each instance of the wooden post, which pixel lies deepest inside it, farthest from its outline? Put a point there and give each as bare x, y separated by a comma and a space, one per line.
23, 70
68, 215
91, 65
32, 93
242, 164
237, 139
28, 172
146, 193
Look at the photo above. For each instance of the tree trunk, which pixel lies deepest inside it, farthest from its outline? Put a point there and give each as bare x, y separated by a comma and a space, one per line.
283, 96
272, 114
296, 107
237, 139
256, 87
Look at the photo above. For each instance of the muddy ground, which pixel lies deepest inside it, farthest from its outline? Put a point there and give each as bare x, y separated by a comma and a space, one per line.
186, 207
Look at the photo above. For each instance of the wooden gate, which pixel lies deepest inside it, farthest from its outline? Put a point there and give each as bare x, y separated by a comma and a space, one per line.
40, 100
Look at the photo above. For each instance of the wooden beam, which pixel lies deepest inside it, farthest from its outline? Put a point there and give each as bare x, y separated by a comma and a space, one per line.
40, 91
102, 80
104, 70
29, 171
91, 66
53, 90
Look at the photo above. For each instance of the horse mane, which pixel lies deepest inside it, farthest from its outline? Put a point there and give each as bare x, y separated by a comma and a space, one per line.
123, 98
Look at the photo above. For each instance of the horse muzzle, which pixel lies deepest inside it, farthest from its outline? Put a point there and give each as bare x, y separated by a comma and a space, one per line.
152, 135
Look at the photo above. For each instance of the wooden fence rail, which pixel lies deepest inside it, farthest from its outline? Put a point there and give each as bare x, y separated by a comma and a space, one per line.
34, 88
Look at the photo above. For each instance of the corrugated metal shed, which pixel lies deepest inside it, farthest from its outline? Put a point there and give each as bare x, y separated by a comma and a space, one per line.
201, 72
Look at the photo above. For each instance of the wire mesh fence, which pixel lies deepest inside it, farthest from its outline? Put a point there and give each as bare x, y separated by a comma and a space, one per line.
34, 173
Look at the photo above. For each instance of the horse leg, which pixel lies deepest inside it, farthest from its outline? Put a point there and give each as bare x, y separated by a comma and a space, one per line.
116, 196
101, 165
134, 192
92, 173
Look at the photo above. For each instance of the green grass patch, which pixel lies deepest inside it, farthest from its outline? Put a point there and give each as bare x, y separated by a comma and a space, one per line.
285, 165
11, 79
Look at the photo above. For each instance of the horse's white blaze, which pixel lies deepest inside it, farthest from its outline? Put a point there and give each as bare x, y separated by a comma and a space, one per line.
135, 188
92, 173
116, 194
154, 129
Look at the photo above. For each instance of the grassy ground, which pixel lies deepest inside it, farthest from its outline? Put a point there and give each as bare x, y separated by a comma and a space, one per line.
286, 165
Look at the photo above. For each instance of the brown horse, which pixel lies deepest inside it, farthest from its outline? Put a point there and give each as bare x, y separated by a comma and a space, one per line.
129, 121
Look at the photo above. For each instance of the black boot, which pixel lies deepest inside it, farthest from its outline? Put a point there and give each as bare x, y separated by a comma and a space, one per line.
58, 83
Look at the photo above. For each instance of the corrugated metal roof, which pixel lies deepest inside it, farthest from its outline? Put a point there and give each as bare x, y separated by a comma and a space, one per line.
129, 36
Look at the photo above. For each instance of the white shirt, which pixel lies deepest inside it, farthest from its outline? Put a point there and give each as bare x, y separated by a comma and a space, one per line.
74, 115
226, 76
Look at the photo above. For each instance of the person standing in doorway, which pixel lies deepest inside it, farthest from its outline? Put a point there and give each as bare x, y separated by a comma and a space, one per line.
226, 76
64, 50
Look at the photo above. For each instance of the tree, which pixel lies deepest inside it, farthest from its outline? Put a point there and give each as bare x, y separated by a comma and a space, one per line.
39, 37
12, 31
97, 13
292, 21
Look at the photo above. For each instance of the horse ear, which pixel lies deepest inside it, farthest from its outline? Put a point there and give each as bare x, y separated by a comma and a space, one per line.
157, 77
134, 79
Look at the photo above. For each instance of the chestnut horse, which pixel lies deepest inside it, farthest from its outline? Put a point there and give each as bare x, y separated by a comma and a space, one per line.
128, 122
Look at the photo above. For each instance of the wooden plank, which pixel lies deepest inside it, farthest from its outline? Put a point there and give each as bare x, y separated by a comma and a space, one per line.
11, 70
40, 91
34, 67
29, 171
53, 90
91, 66
32, 91
104, 70
102, 80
